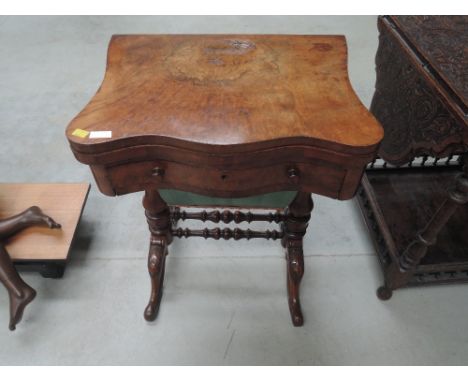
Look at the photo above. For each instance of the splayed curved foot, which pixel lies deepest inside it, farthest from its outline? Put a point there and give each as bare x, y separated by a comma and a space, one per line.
34, 215
296, 312
156, 267
152, 309
295, 270
18, 303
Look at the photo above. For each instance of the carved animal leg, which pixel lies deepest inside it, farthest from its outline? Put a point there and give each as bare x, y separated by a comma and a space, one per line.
298, 215
159, 223
19, 293
156, 266
33, 216
398, 274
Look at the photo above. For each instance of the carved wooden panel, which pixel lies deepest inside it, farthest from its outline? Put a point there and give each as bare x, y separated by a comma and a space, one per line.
443, 42
415, 118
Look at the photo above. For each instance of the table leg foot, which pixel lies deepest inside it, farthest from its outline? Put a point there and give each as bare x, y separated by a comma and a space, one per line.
156, 267
384, 293
295, 270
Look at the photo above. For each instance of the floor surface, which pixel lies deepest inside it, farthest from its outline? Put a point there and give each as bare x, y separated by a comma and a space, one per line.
224, 302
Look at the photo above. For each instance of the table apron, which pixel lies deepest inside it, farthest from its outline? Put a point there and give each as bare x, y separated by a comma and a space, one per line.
316, 177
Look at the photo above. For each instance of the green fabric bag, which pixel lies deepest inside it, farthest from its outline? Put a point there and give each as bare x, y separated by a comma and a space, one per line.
270, 200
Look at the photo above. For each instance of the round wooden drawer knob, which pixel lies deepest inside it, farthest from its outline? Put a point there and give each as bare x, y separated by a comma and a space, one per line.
158, 172
293, 175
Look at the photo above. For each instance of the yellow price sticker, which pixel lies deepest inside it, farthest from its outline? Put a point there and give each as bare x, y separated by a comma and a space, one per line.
80, 133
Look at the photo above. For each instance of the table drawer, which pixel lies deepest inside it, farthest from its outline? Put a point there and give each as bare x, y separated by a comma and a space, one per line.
321, 178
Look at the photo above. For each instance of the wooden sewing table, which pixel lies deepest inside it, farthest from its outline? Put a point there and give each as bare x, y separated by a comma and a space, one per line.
226, 116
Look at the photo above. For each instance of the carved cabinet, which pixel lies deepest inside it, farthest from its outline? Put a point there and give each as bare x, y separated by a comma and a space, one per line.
413, 194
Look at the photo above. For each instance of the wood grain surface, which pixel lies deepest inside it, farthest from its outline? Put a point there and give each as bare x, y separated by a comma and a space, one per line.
227, 116
226, 93
64, 202
442, 42
421, 74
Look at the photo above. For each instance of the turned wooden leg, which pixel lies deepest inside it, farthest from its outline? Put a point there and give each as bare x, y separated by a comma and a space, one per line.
398, 274
159, 223
295, 225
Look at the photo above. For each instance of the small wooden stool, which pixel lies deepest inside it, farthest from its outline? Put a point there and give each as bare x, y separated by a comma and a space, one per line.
226, 116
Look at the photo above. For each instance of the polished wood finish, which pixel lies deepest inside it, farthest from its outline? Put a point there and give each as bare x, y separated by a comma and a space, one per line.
226, 93
227, 233
170, 130
159, 222
227, 216
418, 227
295, 225
226, 116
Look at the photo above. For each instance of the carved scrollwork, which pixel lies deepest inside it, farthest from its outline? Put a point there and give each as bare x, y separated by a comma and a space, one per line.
416, 122
156, 255
295, 258
158, 218
443, 40
156, 265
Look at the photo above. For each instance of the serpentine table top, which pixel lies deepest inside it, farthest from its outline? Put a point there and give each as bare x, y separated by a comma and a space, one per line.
226, 94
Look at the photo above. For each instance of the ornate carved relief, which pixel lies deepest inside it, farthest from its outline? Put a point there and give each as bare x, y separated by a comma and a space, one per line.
443, 40
415, 120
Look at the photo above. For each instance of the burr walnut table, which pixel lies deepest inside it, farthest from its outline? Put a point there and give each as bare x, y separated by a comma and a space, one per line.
226, 116
421, 99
